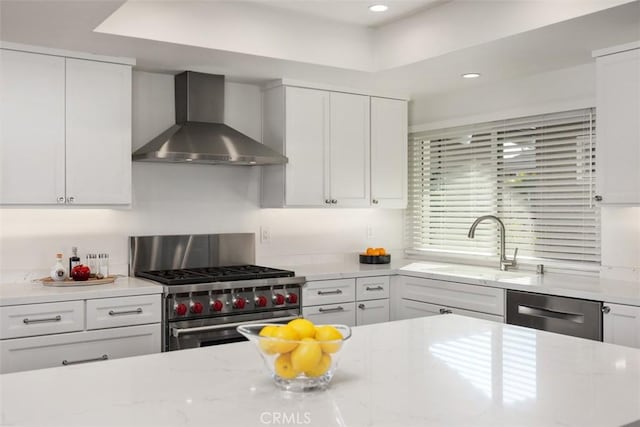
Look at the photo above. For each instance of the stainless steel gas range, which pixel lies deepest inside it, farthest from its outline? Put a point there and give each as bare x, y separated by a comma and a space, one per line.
211, 285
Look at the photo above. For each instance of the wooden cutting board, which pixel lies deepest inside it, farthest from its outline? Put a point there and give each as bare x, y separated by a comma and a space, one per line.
48, 281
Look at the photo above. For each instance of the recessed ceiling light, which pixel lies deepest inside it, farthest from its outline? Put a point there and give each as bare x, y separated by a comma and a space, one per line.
378, 8
471, 75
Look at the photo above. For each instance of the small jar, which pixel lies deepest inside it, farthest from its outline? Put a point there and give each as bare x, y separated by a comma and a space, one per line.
103, 262
92, 263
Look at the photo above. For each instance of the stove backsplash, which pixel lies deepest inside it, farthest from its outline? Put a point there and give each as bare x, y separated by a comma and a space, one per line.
190, 251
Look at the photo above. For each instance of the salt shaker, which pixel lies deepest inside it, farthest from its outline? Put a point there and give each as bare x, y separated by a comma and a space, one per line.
103, 268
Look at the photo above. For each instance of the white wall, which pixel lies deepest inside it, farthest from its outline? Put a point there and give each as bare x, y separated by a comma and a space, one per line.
558, 90
177, 198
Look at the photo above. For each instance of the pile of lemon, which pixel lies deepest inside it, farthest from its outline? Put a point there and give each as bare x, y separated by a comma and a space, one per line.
302, 347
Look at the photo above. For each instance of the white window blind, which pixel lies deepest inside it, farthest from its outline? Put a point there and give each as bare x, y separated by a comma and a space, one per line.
535, 173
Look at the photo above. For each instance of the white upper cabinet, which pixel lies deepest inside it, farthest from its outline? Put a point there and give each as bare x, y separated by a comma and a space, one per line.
329, 140
349, 162
389, 153
66, 130
32, 128
618, 127
98, 132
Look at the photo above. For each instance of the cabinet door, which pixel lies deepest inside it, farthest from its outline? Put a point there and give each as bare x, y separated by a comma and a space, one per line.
621, 325
306, 134
618, 128
373, 311
79, 347
31, 128
348, 169
389, 141
328, 291
409, 309
331, 314
98, 120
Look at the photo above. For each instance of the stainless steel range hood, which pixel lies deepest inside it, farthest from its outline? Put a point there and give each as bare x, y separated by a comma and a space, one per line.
200, 135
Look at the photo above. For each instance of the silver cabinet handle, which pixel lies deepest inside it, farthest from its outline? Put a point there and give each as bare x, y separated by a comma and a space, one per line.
336, 292
49, 319
606, 309
330, 310
60, 199
374, 288
597, 198
334, 201
548, 313
327, 201
375, 201
176, 332
71, 199
445, 311
77, 362
119, 313
361, 306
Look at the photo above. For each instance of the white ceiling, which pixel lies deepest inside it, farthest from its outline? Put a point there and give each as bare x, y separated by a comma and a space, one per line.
354, 11
69, 25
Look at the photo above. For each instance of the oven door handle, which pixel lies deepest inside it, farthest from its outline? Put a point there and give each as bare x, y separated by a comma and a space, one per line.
176, 332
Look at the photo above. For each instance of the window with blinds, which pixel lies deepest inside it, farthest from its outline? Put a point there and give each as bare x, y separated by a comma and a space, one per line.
535, 173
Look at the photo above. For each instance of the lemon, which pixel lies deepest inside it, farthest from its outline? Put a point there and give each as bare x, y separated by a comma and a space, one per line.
329, 333
267, 344
321, 368
304, 327
284, 368
306, 355
286, 339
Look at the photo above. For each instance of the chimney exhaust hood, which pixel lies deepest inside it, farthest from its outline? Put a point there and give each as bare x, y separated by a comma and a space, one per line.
200, 135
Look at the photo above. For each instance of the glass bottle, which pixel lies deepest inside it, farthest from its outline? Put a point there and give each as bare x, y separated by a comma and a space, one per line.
74, 259
103, 265
92, 263
58, 272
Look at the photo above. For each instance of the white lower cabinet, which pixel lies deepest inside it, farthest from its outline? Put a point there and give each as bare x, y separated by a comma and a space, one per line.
335, 314
373, 311
418, 297
621, 324
80, 347
35, 336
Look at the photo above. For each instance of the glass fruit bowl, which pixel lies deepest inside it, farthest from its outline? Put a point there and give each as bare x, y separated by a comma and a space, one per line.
298, 364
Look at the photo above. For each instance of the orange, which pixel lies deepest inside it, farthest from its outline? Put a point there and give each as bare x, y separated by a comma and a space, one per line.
381, 251
370, 251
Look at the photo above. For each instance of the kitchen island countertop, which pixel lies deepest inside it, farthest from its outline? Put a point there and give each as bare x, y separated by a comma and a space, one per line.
442, 370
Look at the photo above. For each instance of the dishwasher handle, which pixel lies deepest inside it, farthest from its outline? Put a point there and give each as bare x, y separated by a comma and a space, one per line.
546, 312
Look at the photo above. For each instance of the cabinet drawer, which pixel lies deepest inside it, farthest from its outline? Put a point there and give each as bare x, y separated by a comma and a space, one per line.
372, 288
329, 292
342, 314
372, 311
452, 294
125, 311
41, 319
411, 309
79, 347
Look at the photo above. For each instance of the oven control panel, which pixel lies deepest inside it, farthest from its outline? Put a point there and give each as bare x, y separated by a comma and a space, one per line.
231, 301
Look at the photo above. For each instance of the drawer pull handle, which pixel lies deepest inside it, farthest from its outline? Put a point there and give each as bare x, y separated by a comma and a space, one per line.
66, 362
120, 313
49, 319
445, 311
374, 288
330, 310
336, 292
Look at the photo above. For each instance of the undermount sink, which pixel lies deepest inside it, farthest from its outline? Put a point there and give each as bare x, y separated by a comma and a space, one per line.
472, 272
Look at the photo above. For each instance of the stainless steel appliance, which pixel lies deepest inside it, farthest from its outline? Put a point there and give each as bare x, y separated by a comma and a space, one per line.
211, 285
569, 316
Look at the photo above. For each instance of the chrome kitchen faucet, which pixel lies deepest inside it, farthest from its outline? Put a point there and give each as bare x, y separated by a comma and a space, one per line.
504, 262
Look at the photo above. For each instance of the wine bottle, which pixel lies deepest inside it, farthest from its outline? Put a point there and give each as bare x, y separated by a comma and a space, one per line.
74, 259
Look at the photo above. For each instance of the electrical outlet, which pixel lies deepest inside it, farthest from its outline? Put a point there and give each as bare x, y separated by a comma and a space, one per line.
369, 232
265, 235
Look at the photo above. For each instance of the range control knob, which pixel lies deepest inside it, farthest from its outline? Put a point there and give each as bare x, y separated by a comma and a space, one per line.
180, 309
278, 299
196, 307
216, 305
261, 301
239, 302
292, 298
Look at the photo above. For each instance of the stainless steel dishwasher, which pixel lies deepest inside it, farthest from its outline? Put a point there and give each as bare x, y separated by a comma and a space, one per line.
569, 316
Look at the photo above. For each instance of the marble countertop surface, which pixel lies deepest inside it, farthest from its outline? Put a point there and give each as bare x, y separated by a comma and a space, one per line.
569, 285
35, 292
440, 370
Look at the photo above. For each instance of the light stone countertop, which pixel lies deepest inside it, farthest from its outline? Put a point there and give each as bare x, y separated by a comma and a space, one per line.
569, 285
32, 293
432, 371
